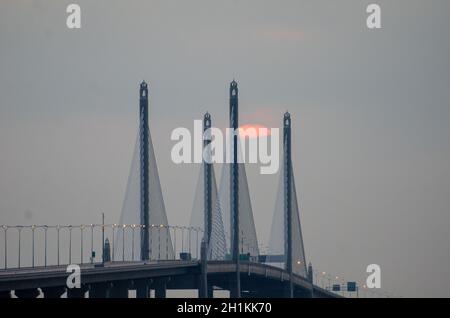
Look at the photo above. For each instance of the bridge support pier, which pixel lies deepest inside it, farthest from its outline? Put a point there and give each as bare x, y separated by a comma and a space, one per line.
160, 286
288, 289
203, 290
27, 293
303, 293
142, 289
275, 291
99, 290
76, 292
53, 292
235, 286
119, 289
5, 294
210, 291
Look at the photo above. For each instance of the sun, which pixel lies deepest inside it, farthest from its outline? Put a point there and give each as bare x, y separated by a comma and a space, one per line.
254, 131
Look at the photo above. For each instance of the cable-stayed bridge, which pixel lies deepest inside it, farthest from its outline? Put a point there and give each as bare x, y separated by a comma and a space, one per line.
143, 252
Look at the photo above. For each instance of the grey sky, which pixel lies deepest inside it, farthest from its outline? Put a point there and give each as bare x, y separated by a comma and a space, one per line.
370, 112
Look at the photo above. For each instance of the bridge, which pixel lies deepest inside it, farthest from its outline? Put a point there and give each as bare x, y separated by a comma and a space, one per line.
115, 279
219, 250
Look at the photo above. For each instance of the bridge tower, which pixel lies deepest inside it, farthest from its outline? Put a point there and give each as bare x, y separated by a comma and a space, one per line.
234, 187
207, 166
288, 197
144, 170
204, 291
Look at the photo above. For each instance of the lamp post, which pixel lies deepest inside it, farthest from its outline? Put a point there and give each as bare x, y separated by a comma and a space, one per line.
45, 245
329, 281
150, 248
19, 229
167, 241
132, 241
123, 242
189, 232
57, 244
174, 242
81, 243
5, 229
70, 244
103, 238
92, 243
159, 240
196, 252
182, 239
322, 279
113, 232
33, 227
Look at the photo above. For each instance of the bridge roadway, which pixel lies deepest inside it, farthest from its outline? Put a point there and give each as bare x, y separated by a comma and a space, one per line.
114, 279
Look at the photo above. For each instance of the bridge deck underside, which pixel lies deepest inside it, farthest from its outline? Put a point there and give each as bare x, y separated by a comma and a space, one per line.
258, 280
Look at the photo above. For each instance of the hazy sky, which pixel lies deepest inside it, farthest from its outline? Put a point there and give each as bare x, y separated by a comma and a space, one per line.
370, 109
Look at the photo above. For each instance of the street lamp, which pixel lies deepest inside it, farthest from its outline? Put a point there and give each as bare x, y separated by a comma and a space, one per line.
167, 241
81, 241
123, 242
57, 243
132, 243
70, 244
45, 244
322, 279
103, 239
174, 242
159, 241
196, 252
5, 229
151, 241
33, 227
19, 229
182, 239
113, 232
190, 229
92, 243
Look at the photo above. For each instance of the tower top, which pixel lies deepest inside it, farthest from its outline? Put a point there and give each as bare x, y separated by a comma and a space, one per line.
143, 91
207, 120
233, 88
287, 119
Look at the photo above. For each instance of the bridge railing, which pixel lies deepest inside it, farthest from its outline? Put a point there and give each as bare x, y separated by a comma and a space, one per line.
53, 245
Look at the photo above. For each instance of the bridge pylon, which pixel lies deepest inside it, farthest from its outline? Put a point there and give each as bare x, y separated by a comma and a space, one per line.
234, 188
144, 171
286, 247
207, 205
207, 182
145, 233
288, 198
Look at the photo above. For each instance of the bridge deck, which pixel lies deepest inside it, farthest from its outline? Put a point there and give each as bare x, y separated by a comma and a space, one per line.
187, 271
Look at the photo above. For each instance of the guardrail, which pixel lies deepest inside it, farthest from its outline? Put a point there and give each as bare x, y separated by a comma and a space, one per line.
49, 245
